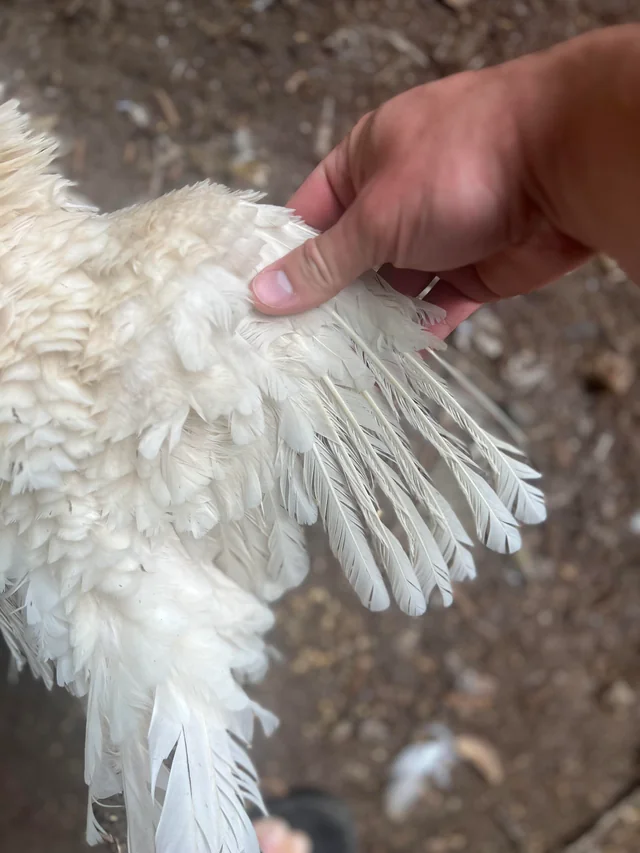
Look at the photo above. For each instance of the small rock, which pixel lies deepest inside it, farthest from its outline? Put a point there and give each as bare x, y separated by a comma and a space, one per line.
318, 595
244, 164
603, 447
373, 731
380, 755
407, 642
356, 771
463, 336
584, 331
611, 270
634, 523
488, 344
569, 572
488, 334
465, 705
620, 695
44, 123
342, 731
449, 844
319, 565
477, 683
524, 371
208, 157
522, 413
56, 750
469, 680
630, 814
610, 371
458, 5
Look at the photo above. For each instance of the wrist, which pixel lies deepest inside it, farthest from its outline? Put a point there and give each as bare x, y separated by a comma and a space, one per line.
578, 115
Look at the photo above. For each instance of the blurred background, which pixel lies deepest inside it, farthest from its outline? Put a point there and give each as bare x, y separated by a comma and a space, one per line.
537, 663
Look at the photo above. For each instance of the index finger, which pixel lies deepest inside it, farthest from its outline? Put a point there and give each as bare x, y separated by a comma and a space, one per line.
316, 202
327, 192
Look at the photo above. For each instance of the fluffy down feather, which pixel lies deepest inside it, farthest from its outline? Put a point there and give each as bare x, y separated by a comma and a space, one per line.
161, 448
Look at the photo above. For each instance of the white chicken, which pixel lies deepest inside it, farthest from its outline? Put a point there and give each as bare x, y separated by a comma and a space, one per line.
162, 447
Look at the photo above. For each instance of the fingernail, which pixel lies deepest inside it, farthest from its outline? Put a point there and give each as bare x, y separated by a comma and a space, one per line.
273, 289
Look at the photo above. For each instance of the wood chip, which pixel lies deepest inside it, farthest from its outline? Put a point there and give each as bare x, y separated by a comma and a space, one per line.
482, 756
402, 44
457, 5
326, 126
44, 123
593, 840
79, 156
130, 153
169, 109
297, 79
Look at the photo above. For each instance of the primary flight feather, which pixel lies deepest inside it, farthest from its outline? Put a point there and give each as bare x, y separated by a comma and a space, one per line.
162, 446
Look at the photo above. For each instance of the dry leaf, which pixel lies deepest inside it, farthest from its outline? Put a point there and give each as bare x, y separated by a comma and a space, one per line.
482, 756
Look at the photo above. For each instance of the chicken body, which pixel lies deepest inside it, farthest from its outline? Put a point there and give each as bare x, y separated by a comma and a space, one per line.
161, 448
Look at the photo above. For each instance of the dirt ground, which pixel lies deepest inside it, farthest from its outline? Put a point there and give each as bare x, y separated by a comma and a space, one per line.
539, 659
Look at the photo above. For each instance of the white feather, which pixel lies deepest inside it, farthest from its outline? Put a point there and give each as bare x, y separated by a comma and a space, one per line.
161, 445
345, 532
526, 501
416, 766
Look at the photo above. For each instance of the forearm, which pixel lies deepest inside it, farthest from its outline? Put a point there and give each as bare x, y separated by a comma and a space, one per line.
580, 119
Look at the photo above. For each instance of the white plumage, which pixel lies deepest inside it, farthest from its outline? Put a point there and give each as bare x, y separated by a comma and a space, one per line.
161, 447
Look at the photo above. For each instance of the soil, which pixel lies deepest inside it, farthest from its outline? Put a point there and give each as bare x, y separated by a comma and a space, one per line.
539, 658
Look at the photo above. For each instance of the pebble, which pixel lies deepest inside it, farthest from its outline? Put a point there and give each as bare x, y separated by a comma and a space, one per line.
407, 642
373, 731
356, 771
342, 732
458, 5
610, 371
620, 695
524, 371
488, 344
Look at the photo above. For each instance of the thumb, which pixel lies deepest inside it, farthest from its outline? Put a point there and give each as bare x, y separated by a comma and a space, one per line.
318, 269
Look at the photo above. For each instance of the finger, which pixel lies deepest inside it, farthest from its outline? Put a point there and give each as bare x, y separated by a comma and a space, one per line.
517, 270
327, 192
318, 269
316, 202
545, 257
457, 306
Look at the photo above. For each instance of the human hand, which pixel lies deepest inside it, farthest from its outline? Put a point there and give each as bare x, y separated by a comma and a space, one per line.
434, 181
